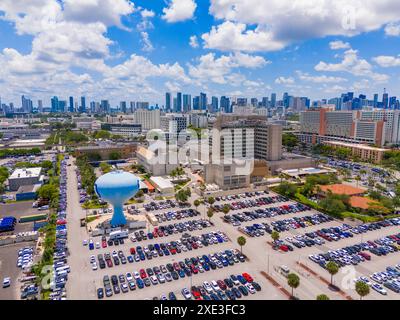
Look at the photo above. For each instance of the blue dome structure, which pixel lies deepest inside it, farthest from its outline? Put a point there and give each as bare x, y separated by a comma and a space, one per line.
117, 187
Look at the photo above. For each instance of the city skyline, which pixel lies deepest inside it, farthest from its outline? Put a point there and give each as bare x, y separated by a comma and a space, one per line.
130, 50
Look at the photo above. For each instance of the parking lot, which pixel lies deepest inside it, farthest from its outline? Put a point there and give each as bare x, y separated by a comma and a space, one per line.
8, 261
18, 210
295, 225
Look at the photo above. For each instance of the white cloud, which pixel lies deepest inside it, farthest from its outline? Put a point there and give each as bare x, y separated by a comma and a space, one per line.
284, 81
108, 12
387, 61
179, 10
147, 13
351, 63
235, 36
219, 70
319, 78
285, 22
337, 45
392, 29
147, 45
193, 42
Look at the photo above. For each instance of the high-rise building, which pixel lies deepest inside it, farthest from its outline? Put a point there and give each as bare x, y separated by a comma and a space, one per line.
187, 102
149, 119
27, 105
178, 107
225, 105
54, 104
62, 106
105, 106
265, 102
196, 103
168, 101
254, 102
71, 104
40, 106
83, 104
385, 100
273, 100
203, 101
122, 107
142, 105
376, 97
214, 104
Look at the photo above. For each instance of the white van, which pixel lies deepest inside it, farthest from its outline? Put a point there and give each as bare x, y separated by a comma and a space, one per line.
121, 234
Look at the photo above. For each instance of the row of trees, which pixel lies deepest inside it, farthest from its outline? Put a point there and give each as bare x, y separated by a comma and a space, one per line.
19, 152
88, 177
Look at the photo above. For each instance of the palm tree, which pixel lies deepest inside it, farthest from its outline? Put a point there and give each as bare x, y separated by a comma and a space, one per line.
332, 268
293, 281
362, 289
210, 213
322, 297
241, 242
275, 235
226, 209
211, 200
196, 203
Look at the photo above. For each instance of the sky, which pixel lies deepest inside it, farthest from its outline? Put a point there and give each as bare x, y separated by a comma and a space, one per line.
124, 50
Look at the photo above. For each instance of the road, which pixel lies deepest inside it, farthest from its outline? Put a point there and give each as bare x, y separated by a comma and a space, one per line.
77, 259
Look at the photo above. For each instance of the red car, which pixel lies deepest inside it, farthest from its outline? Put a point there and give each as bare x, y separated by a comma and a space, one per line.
247, 277
366, 256
142, 273
195, 245
109, 263
104, 244
284, 248
155, 235
196, 292
221, 284
194, 269
172, 251
61, 222
176, 266
132, 250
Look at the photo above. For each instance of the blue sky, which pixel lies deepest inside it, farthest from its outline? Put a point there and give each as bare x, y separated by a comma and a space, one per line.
138, 50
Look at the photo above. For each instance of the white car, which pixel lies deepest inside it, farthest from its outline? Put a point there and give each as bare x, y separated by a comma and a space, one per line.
186, 294
97, 245
85, 242
379, 288
136, 275
129, 277
214, 285
6, 282
250, 288
207, 287
94, 266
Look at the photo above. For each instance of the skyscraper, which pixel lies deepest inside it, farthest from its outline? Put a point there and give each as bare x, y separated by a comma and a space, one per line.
71, 104
54, 104
273, 100
385, 100
178, 102
187, 102
40, 106
376, 97
225, 105
122, 106
214, 104
83, 104
203, 101
168, 101
196, 103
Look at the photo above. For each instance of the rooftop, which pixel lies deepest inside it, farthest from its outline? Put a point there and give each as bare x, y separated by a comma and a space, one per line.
355, 145
342, 189
162, 182
26, 173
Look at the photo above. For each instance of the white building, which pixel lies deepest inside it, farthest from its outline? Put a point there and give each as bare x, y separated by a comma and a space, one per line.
149, 119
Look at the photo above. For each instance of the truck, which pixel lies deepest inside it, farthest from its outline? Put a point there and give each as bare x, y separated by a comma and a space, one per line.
120, 234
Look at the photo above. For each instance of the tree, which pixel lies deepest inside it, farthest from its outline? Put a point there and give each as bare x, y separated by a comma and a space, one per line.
210, 213
287, 189
139, 194
289, 140
211, 200
182, 195
241, 242
293, 281
115, 155
196, 203
226, 209
275, 235
362, 289
322, 297
332, 268
48, 191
